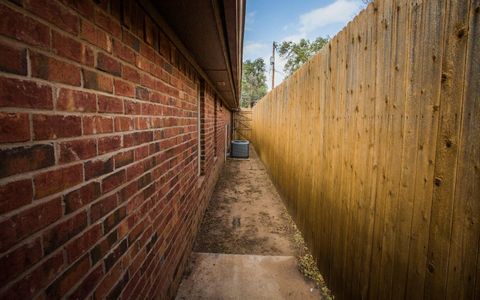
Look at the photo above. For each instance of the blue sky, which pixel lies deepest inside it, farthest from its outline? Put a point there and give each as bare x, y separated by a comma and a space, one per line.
280, 20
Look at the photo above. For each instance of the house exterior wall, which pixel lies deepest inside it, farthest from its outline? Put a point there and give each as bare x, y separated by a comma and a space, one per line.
99, 191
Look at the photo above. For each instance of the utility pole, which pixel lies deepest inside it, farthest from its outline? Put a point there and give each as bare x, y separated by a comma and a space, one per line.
272, 63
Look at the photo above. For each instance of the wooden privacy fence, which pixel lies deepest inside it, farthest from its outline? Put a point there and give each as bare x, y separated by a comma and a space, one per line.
243, 124
375, 146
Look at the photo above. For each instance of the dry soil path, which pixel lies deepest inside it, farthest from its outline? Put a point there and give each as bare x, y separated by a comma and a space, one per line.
247, 243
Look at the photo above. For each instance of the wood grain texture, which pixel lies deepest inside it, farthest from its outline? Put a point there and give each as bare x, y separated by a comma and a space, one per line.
374, 145
242, 124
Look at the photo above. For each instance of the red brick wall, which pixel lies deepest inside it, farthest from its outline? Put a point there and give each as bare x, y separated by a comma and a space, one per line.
99, 193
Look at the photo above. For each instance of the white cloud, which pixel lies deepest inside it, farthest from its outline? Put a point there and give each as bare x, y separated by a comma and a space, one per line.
314, 23
338, 12
295, 37
309, 25
253, 50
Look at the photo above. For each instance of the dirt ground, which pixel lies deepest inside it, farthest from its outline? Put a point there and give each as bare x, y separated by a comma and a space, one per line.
245, 214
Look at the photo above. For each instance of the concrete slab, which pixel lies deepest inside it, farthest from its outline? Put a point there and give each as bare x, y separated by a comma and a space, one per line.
232, 276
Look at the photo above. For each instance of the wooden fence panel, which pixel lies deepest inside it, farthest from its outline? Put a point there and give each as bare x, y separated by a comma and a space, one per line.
242, 125
374, 145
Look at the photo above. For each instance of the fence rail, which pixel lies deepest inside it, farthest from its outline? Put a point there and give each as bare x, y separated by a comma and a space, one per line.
375, 147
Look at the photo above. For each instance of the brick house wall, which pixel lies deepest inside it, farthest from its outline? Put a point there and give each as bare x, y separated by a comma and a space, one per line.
100, 195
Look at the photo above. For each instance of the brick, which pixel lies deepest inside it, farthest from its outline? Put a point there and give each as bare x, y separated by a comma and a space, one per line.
147, 193
102, 207
124, 88
14, 127
27, 94
134, 203
88, 284
141, 152
97, 124
151, 109
95, 36
47, 127
77, 150
55, 181
110, 104
130, 287
55, 13
113, 181
63, 232
67, 47
97, 81
113, 219
22, 28
108, 23
19, 260
152, 242
118, 288
144, 181
29, 285
134, 171
108, 64
131, 74
113, 257
137, 138
13, 59
23, 159
123, 52
101, 249
81, 197
85, 8
52, 69
161, 86
147, 52
132, 108
127, 192
15, 194
151, 32
76, 101
142, 123
124, 227
109, 144
168, 68
83, 243
62, 285
98, 167
144, 64
164, 46
154, 148
123, 124
136, 232
111, 278
142, 93
148, 81
29, 221
123, 159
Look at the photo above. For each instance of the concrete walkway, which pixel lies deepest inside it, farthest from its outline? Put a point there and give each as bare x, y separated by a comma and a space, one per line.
230, 276
246, 247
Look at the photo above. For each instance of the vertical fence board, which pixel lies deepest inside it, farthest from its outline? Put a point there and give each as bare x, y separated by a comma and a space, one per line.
464, 261
453, 70
375, 147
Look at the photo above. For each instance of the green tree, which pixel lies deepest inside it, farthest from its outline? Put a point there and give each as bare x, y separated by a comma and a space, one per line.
254, 84
296, 54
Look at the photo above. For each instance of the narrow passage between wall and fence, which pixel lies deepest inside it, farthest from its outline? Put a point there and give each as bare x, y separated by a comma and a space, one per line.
375, 146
